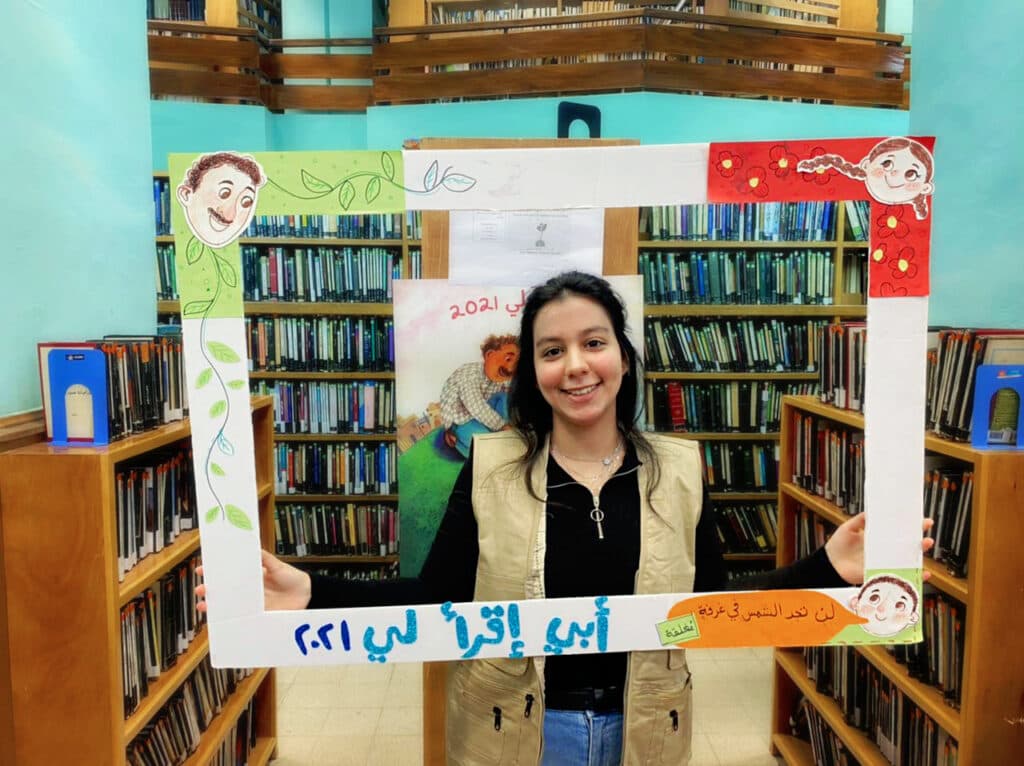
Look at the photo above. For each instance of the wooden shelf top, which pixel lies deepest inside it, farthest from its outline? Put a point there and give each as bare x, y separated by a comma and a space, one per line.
711, 376
296, 308
361, 499
334, 437
939, 577
730, 244
340, 559
863, 749
794, 751
715, 436
163, 687
156, 565
749, 556
323, 241
757, 497
287, 375
854, 311
928, 698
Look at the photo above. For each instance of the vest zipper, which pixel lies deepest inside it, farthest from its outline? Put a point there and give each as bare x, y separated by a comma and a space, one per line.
674, 715
497, 718
529, 705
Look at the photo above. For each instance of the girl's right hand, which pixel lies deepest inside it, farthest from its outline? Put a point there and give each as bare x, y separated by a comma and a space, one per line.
284, 586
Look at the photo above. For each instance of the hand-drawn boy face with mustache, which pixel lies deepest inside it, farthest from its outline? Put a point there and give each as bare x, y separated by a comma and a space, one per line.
219, 196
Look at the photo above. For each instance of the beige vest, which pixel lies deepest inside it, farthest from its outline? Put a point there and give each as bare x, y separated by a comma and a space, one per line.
511, 523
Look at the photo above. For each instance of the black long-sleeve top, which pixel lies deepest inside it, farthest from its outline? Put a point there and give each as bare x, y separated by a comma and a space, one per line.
577, 562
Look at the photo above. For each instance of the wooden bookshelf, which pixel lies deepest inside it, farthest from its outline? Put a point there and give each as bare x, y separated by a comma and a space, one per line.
63, 602
985, 726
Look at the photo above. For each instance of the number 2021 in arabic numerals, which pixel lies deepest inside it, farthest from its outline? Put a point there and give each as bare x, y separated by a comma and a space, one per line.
471, 307
323, 637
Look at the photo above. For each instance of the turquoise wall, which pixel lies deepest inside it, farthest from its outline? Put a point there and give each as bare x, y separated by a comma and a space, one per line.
969, 95
76, 204
181, 126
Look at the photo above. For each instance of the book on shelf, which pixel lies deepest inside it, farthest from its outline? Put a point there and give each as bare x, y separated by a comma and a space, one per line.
842, 350
331, 407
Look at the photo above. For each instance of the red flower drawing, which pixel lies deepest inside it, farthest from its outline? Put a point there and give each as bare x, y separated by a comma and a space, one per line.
756, 182
782, 161
902, 265
822, 173
886, 290
880, 254
890, 222
728, 163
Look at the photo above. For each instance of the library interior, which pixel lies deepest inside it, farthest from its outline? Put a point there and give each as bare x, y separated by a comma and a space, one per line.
802, 213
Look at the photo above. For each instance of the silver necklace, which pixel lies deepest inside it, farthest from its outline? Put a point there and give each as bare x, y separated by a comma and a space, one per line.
607, 465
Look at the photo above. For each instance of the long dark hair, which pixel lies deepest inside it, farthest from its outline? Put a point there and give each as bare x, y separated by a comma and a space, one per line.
531, 415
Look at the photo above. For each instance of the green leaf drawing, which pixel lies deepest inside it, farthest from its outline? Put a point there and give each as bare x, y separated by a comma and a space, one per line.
204, 377
218, 408
212, 514
216, 470
226, 271
314, 184
193, 250
237, 517
373, 189
346, 193
222, 352
457, 182
196, 308
430, 177
236, 384
388, 163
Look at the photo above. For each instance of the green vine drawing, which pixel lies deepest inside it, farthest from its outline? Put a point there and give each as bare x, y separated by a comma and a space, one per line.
346, 190
215, 352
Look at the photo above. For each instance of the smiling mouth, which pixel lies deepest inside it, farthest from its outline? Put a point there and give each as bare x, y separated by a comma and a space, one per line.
897, 186
580, 391
505, 372
217, 221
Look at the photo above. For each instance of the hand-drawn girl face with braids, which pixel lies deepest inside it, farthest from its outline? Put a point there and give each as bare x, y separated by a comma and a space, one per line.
888, 603
218, 196
897, 171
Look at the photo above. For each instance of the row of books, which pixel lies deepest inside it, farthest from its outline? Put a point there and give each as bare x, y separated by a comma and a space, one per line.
156, 627
954, 356
873, 703
143, 383
176, 10
762, 277
166, 276
361, 274
828, 461
740, 467
155, 501
162, 191
948, 496
240, 742
855, 273
939, 659
320, 344
811, 531
686, 344
336, 529
328, 407
826, 747
745, 406
842, 351
175, 732
361, 226
772, 10
747, 528
349, 468
415, 264
858, 219
741, 221
361, 572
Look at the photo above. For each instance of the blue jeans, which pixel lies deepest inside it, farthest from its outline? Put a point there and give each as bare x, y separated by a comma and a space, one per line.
582, 738
464, 433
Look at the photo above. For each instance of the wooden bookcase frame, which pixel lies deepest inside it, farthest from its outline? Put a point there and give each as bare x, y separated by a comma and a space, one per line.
64, 600
987, 726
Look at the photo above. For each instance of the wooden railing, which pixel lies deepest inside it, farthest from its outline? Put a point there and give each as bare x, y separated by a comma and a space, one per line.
236, 65
638, 50
633, 50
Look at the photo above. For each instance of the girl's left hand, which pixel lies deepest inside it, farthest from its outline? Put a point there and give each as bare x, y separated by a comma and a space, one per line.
845, 549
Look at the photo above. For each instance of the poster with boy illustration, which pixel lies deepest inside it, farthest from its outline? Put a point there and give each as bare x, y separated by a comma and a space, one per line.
448, 393
454, 355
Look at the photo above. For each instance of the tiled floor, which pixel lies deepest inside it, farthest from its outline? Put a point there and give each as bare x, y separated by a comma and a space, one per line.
372, 715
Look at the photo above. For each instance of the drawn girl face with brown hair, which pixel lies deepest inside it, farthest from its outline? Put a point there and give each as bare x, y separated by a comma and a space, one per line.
898, 171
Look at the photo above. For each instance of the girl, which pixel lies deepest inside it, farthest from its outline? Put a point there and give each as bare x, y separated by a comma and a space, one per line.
573, 501
897, 171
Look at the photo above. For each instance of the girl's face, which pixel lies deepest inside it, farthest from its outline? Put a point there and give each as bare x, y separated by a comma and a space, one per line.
896, 177
579, 362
